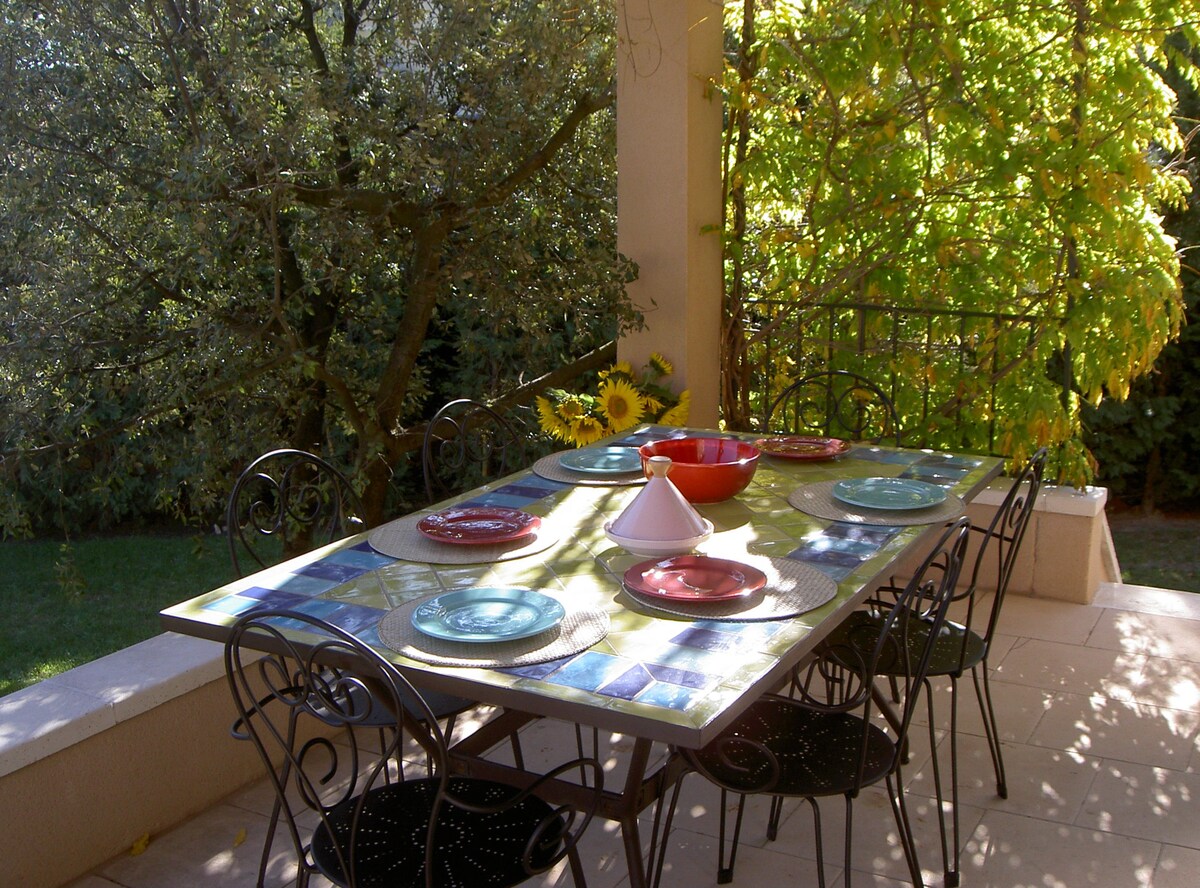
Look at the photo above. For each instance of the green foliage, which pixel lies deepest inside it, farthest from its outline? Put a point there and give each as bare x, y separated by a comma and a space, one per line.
1010, 159
225, 227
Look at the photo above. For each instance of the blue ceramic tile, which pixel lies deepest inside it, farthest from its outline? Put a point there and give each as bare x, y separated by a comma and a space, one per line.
534, 487
357, 557
860, 549
591, 671
932, 475
872, 533
670, 696
352, 618
537, 670
273, 597
234, 605
837, 565
711, 639
950, 460
677, 676
305, 585
882, 455
499, 498
327, 569
629, 684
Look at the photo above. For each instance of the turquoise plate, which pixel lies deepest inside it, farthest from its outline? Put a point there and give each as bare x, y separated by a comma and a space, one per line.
603, 460
888, 493
487, 613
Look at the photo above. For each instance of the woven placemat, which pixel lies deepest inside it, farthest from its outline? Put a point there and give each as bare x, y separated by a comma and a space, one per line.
792, 589
818, 500
580, 628
401, 539
549, 467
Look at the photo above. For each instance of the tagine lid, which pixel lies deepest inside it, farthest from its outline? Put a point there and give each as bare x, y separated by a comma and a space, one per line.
659, 511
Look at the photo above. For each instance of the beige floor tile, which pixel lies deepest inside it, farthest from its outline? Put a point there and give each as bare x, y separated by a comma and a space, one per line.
1144, 802
1047, 619
692, 863
1052, 783
1117, 729
1152, 634
699, 808
220, 847
876, 846
1056, 666
1012, 851
1177, 867
1018, 708
1170, 683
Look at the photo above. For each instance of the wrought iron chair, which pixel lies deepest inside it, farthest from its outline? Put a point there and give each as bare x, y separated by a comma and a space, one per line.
294, 498
434, 829
301, 500
835, 403
964, 646
822, 741
466, 443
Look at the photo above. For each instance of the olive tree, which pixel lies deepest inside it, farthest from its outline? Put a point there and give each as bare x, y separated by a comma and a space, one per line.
230, 225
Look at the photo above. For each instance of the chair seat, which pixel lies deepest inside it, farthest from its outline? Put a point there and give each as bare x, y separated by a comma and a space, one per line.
473, 849
947, 658
817, 751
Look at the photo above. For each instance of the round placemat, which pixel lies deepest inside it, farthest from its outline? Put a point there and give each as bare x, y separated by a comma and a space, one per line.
818, 500
792, 589
549, 467
401, 539
580, 628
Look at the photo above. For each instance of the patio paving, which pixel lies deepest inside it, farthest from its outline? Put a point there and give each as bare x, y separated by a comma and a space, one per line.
1100, 711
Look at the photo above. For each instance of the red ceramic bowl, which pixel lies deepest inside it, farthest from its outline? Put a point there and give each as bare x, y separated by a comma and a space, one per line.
706, 470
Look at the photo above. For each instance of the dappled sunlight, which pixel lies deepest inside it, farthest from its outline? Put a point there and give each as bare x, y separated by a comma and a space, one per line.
1012, 852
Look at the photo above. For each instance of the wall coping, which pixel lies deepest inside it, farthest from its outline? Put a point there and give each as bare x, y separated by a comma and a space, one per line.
1087, 502
68, 708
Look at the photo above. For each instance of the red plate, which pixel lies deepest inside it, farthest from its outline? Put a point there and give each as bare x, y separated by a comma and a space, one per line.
802, 447
477, 525
694, 578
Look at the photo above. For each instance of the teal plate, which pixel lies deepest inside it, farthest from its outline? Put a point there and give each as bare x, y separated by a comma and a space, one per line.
603, 460
888, 493
487, 613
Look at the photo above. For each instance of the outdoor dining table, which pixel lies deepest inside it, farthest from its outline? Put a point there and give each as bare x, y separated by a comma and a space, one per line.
653, 671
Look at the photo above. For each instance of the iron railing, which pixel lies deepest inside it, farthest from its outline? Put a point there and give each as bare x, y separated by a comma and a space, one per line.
932, 362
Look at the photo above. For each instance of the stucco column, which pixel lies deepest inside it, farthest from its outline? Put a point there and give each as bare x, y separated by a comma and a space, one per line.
669, 187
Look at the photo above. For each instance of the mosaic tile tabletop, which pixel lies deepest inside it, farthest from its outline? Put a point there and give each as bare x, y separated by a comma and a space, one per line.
662, 678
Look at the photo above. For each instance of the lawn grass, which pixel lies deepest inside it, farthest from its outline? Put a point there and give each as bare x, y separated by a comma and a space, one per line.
1162, 551
64, 607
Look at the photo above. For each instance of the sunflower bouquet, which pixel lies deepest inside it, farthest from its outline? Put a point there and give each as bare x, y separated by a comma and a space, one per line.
622, 400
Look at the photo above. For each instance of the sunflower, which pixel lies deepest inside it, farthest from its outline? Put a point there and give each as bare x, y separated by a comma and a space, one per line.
677, 415
621, 404
623, 368
571, 408
660, 365
550, 420
587, 429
